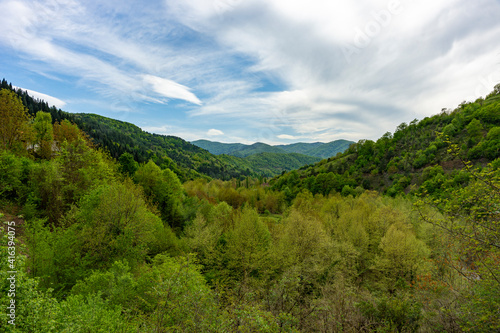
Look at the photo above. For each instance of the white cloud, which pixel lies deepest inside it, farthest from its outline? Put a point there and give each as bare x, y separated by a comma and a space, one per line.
52, 101
171, 89
287, 137
214, 132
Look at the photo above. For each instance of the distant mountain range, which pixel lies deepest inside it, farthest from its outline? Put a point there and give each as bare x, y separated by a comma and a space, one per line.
315, 149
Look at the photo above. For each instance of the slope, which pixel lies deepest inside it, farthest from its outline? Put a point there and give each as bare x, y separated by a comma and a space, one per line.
187, 160
270, 164
316, 149
330, 149
414, 159
117, 137
218, 148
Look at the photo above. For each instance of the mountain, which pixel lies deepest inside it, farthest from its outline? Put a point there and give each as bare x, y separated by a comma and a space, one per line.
218, 148
237, 149
316, 149
300, 147
322, 150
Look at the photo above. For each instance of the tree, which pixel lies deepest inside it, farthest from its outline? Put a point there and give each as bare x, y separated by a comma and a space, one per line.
14, 124
65, 131
402, 254
164, 189
127, 164
44, 135
246, 252
474, 129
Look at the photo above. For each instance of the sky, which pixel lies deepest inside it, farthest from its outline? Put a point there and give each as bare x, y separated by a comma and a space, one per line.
274, 71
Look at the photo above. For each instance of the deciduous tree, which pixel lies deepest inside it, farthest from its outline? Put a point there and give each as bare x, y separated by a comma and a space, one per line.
14, 121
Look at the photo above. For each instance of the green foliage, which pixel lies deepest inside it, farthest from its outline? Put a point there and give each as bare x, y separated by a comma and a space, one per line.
165, 190
44, 136
470, 217
38, 311
110, 223
393, 314
61, 182
14, 176
474, 131
183, 302
402, 255
449, 130
245, 251
14, 124
492, 143
128, 165
115, 224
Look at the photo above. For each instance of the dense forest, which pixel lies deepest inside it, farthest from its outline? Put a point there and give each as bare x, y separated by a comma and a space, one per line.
397, 235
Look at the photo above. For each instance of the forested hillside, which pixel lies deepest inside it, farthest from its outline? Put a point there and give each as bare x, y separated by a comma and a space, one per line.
117, 137
413, 159
188, 161
316, 149
270, 164
91, 244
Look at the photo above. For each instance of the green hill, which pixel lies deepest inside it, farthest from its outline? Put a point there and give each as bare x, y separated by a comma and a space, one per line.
258, 148
300, 147
315, 149
270, 164
237, 149
187, 160
330, 149
415, 158
218, 148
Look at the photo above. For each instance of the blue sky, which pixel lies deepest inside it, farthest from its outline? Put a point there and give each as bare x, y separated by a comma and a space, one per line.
275, 71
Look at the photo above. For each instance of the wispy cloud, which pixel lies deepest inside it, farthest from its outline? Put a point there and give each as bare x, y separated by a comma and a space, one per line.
100, 54
262, 70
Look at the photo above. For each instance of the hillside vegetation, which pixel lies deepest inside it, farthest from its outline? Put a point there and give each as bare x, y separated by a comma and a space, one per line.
413, 159
100, 245
188, 161
316, 149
